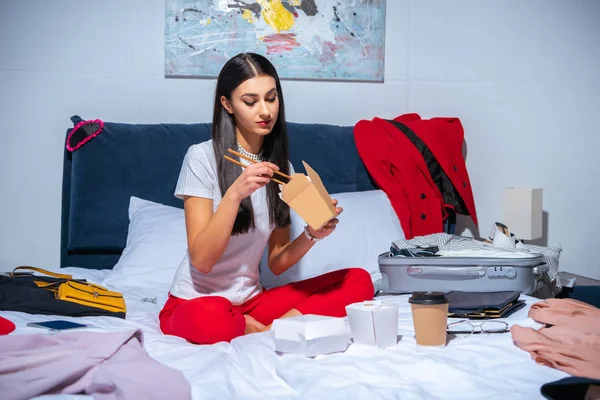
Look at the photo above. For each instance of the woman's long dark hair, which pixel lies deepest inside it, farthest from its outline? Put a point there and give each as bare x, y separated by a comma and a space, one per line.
275, 145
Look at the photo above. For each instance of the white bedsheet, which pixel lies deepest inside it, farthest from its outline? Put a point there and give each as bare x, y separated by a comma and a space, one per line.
474, 367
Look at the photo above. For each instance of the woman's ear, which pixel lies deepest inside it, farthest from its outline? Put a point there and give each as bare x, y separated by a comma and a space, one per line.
226, 105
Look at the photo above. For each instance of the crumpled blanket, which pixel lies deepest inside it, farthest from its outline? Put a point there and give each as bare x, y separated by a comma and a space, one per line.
570, 341
104, 365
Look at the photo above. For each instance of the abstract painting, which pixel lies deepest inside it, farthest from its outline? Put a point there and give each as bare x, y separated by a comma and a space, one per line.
304, 39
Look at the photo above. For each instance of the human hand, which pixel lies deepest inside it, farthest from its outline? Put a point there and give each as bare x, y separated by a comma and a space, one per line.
329, 227
252, 178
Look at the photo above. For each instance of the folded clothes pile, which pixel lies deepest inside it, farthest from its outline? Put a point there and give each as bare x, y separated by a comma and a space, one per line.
568, 341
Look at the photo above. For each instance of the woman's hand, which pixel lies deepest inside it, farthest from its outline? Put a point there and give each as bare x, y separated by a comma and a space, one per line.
329, 227
252, 178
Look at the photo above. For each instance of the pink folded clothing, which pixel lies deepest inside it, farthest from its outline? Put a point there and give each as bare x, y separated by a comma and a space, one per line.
104, 365
572, 341
567, 312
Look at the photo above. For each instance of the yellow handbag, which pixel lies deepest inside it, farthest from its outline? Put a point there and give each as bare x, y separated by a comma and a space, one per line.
78, 291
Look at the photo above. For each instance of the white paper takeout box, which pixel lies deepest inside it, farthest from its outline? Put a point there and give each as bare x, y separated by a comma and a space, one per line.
310, 335
307, 196
373, 323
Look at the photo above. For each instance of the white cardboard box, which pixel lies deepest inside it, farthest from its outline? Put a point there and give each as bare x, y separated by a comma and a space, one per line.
523, 212
373, 323
310, 335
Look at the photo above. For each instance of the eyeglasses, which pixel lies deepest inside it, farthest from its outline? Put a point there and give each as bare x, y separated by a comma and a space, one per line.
466, 327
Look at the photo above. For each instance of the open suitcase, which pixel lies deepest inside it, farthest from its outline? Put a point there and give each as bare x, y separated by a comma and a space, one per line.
470, 274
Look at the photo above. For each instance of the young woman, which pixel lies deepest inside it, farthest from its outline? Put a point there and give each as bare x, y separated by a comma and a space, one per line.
232, 214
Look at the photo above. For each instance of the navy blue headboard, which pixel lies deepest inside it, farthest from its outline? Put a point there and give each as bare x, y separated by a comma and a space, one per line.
144, 161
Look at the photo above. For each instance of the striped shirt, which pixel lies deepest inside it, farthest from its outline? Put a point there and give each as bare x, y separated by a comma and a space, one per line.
235, 276
459, 246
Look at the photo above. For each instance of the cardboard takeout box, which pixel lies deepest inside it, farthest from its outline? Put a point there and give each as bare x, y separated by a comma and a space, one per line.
307, 196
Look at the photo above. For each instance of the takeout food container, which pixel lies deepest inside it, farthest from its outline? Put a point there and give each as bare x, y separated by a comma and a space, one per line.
307, 196
311, 335
373, 323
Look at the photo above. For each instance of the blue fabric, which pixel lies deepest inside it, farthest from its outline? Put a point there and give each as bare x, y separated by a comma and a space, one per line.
144, 160
330, 150
587, 294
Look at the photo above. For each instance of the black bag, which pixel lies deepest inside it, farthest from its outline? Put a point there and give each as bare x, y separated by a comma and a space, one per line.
21, 293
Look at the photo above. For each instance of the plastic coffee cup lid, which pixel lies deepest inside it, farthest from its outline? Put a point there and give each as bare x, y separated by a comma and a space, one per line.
428, 298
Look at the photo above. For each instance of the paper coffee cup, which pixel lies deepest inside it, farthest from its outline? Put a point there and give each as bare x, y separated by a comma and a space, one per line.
430, 317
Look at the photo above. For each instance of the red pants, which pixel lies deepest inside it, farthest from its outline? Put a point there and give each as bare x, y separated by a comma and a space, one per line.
212, 319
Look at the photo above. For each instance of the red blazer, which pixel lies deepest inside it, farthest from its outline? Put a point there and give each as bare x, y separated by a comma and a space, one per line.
400, 169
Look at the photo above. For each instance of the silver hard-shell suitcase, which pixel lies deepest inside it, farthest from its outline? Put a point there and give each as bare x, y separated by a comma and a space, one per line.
471, 274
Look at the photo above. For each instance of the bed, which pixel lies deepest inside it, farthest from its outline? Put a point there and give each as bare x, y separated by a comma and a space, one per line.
122, 228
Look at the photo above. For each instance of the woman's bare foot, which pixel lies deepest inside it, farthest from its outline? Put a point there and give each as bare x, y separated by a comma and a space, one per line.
252, 325
292, 313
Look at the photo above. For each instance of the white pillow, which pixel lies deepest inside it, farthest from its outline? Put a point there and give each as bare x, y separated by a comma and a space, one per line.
156, 245
368, 225
157, 242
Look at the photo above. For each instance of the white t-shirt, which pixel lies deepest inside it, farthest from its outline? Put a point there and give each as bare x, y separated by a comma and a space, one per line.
235, 276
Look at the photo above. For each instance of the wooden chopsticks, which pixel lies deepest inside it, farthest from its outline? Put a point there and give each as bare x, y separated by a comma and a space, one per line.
244, 166
253, 162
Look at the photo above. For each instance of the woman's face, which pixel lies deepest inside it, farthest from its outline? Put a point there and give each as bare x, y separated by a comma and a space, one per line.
254, 105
